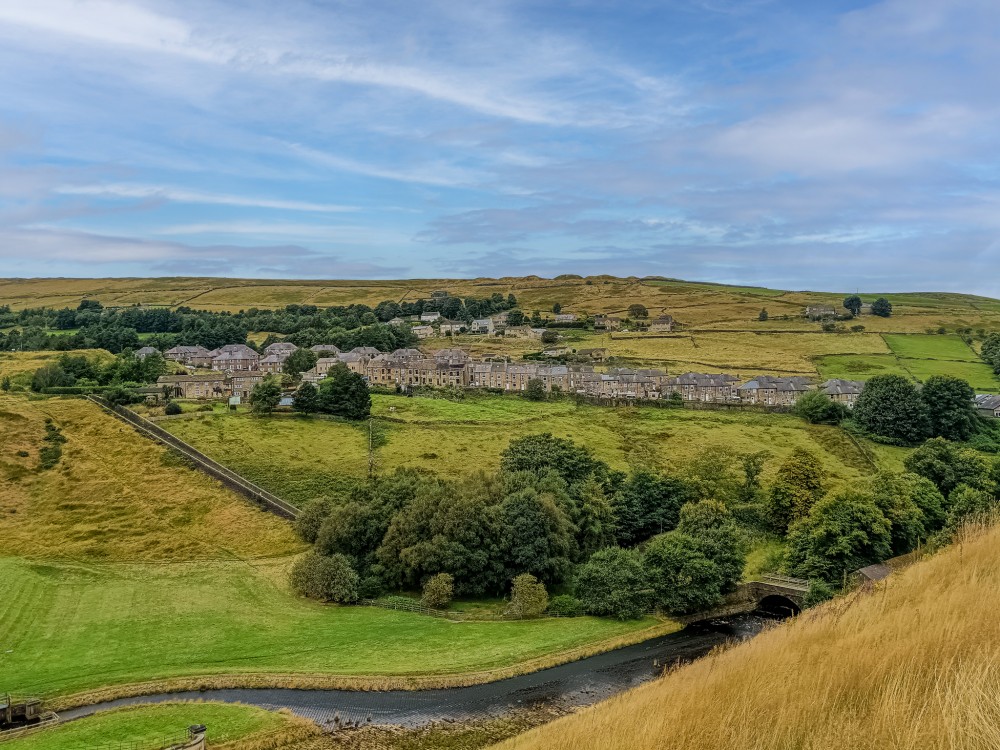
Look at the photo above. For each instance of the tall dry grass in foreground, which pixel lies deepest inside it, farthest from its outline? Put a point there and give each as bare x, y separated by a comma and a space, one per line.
912, 664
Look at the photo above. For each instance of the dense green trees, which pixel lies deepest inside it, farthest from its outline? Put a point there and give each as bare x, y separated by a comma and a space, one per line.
344, 394
637, 311
306, 399
528, 598
327, 578
881, 307
613, 583
890, 406
534, 390
817, 408
298, 362
950, 407
990, 351
947, 465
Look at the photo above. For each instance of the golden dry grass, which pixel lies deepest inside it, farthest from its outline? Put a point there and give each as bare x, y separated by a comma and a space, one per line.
25, 363
115, 495
912, 665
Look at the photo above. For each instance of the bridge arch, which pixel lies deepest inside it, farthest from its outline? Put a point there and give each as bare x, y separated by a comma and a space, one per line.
776, 604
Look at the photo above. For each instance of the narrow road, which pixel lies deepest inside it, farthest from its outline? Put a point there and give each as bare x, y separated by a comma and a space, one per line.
579, 683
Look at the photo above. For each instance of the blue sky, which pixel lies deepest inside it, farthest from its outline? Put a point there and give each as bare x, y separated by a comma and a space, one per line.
822, 145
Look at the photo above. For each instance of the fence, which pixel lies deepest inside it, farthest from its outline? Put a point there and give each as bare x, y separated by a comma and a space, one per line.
231, 479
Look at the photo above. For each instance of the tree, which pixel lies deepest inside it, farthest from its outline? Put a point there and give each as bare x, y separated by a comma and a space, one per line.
5, 383
842, 533
682, 578
535, 535
516, 318
817, 408
329, 579
637, 311
595, 518
798, 488
172, 409
762, 315
881, 307
299, 361
894, 497
991, 351
890, 406
542, 451
950, 407
528, 598
613, 584
647, 504
947, 465
753, 466
438, 591
853, 304
556, 308
306, 399
266, 395
550, 337
711, 524
534, 390
967, 506
344, 394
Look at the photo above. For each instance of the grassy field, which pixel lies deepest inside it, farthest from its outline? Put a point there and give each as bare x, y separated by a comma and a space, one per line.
20, 366
160, 723
915, 356
913, 665
301, 458
115, 495
72, 627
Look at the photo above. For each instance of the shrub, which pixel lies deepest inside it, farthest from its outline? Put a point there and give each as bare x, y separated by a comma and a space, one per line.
613, 584
328, 579
819, 592
438, 591
528, 598
172, 408
311, 519
565, 605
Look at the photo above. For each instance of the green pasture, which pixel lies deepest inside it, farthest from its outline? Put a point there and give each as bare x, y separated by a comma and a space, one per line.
920, 346
69, 627
160, 723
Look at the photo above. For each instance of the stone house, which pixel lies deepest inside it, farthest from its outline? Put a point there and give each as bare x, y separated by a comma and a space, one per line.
185, 354
273, 363
663, 324
483, 327
566, 318
696, 386
773, 391
451, 327
234, 357
243, 381
325, 350
501, 318
195, 385
607, 323
280, 347
423, 332
820, 312
844, 392
430, 317
397, 321
598, 355
145, 352
988, 405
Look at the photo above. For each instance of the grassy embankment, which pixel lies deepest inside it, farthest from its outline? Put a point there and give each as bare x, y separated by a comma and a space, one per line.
174, 577
299, 457
914, 665
231, 726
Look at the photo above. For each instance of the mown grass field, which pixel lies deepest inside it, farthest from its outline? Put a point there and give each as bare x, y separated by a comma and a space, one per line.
162, 723
115, 495
301, 458
914, 664
71, 627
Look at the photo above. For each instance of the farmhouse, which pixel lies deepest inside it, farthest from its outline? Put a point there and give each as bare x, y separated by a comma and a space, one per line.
607, 323
988, 405
397, 321
273, 362
145, 352
598, 355
663, 324
325, 349
280, 347
233, 357
194, 385
820, 312
566, 318
429, 317
451, 328
423, 332
242, 382
843, 391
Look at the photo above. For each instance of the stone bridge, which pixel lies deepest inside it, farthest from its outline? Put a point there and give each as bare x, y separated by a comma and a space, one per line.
774, 594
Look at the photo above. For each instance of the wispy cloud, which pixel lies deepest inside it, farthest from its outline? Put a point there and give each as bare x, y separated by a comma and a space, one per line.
180, 195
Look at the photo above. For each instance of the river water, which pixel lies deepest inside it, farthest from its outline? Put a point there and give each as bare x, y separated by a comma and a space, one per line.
579, 683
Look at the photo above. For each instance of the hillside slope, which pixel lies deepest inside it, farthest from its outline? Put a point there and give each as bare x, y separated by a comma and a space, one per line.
914, 664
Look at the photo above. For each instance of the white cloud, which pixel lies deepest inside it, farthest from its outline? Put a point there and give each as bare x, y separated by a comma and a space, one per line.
180, 195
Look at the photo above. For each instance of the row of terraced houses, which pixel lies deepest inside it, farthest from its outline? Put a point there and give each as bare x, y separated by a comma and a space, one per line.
234, 370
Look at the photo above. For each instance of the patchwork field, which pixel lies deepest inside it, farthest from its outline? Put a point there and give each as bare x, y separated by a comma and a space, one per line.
116, 496
72, 627
301, 458
156, 724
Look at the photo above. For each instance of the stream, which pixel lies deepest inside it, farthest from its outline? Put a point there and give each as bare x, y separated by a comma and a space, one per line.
572, 685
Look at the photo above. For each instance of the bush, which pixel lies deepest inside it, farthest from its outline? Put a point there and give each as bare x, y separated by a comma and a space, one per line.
528, 598
328, 579
438, 591
565, 605
121, 396
172, 408
817, 408
819, 592
612, 583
